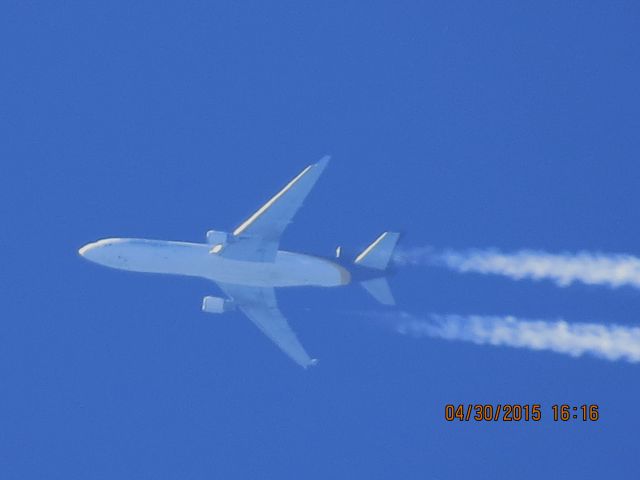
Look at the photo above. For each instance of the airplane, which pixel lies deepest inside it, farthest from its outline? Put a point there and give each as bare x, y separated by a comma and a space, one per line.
247, 264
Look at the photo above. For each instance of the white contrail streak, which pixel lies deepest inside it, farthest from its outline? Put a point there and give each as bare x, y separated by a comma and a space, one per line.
611, 342
563, 269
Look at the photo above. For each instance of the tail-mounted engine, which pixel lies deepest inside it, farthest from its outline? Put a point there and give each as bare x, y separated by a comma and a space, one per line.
216, 305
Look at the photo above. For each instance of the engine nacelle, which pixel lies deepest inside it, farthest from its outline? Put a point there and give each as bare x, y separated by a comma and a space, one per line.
214, 237
216, 305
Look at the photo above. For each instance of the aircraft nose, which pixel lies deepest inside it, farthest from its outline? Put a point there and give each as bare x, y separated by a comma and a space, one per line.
84, 250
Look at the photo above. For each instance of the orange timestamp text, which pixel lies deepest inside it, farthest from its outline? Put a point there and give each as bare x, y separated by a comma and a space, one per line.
516, 412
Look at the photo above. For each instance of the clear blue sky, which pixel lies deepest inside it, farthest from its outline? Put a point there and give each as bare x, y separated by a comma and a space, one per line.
464, 124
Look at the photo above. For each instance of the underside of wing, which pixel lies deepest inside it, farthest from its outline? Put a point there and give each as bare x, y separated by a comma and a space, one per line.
258, 237
260, 305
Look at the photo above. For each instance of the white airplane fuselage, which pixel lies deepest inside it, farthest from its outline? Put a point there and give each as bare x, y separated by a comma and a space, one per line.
196, 259
247, 267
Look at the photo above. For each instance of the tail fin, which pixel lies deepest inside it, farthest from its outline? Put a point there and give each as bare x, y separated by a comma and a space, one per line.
378, 254
379, 289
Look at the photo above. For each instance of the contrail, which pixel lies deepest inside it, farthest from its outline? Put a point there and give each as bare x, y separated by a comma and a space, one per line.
610, 342
613, 270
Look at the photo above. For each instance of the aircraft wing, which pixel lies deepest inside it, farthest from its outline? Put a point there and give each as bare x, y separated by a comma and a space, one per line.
257, 238
260, 305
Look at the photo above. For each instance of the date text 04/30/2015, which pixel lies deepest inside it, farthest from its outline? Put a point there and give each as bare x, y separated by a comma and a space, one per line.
516, 412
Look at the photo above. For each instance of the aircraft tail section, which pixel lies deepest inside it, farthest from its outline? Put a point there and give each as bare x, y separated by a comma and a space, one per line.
379, 289
378, 254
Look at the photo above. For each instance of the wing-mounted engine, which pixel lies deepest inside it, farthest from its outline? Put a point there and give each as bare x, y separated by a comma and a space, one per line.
217, 240
217, 305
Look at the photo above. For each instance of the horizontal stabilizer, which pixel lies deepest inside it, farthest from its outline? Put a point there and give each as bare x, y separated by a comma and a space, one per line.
379, 289
378, 254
